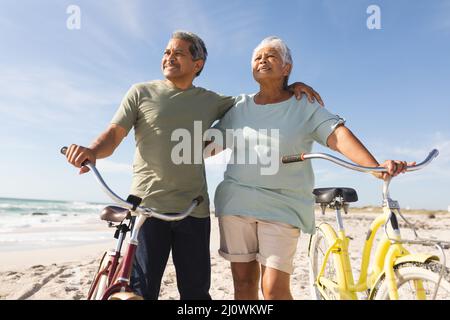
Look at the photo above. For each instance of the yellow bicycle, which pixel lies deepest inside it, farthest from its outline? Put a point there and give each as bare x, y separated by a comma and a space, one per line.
395, 272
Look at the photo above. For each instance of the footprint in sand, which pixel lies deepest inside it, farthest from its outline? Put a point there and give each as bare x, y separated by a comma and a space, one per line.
78, 296
66, 275
11, 275
38, 269
70, 289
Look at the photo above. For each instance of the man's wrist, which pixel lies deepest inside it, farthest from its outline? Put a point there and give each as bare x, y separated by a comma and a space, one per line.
94, 150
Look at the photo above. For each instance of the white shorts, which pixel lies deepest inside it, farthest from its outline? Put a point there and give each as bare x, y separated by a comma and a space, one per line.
271, 243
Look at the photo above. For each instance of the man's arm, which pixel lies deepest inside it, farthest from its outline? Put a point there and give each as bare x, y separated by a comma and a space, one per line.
211, 149
101, 147
345, 142
298, 88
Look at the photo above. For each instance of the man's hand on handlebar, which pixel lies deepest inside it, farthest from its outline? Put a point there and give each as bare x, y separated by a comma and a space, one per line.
77, 155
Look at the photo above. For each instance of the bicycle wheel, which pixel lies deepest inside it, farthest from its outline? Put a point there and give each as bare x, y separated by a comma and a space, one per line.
413, 275
318, 247
99, 281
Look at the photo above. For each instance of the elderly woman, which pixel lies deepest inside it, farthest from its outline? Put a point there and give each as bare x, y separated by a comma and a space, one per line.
261, 215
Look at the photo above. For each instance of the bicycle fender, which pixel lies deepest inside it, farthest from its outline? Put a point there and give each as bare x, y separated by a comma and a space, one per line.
416, 257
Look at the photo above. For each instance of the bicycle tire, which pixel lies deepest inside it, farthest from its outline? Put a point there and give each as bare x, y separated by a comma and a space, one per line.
406, 273
319, 245
94, 290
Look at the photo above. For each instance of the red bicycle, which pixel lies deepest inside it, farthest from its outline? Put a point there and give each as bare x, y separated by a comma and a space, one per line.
112, 279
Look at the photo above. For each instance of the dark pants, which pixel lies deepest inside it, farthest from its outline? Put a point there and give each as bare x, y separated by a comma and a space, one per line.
189, 241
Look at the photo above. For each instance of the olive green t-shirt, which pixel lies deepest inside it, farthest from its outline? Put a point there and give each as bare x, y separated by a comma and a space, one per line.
163, 116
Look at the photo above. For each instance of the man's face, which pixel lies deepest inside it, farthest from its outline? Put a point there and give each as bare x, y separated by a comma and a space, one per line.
177, 62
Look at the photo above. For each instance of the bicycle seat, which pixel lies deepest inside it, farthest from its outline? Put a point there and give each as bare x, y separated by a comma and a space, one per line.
114, 214
327, 195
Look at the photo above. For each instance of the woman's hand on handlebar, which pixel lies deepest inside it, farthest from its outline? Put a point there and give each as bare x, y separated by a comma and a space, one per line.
394, 167
77, 155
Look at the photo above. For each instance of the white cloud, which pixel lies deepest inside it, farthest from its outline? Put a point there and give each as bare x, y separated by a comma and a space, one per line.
419, 152
214, 24
439, 168
104, 41
435, 173
37, 98
113, 167
329, 175
127, 15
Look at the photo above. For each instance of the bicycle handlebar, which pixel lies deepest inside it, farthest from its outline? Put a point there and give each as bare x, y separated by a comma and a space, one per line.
304, 156
140, 209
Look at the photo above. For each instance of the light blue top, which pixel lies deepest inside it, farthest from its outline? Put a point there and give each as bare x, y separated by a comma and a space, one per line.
272, 190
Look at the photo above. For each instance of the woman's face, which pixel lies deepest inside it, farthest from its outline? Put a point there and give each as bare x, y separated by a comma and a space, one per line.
267, 64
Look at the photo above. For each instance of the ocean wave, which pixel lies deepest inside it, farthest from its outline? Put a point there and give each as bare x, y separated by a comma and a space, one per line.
30, 207
27, 222
49, 239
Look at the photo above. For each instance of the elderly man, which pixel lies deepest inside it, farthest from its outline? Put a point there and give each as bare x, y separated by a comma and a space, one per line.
156, 109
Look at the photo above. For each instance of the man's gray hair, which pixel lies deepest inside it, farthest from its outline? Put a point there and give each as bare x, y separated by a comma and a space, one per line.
277, 43
197, 47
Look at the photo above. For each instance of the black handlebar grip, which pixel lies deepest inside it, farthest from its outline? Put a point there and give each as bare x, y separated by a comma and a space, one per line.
293, 158
134, 200
199, 200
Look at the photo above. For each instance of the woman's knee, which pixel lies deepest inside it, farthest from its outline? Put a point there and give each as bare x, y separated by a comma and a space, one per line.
276, 285
277, 293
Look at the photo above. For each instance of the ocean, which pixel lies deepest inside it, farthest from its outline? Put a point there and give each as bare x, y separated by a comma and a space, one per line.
32, 224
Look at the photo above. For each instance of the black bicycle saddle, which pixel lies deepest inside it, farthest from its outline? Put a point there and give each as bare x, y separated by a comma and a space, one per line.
327, 195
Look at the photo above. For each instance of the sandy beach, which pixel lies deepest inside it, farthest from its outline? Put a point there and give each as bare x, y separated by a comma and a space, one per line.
65, 272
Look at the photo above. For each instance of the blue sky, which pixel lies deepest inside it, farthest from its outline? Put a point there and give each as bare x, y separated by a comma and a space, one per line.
61, 86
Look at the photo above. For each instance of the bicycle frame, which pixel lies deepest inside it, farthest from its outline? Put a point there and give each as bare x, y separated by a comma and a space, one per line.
121, 278
117, 274
388, 253
108, 270
346, 286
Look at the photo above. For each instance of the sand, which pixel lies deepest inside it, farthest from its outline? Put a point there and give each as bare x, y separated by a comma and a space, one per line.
66, 272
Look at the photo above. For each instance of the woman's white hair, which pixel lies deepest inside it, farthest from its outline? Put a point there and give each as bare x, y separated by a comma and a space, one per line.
277, 43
